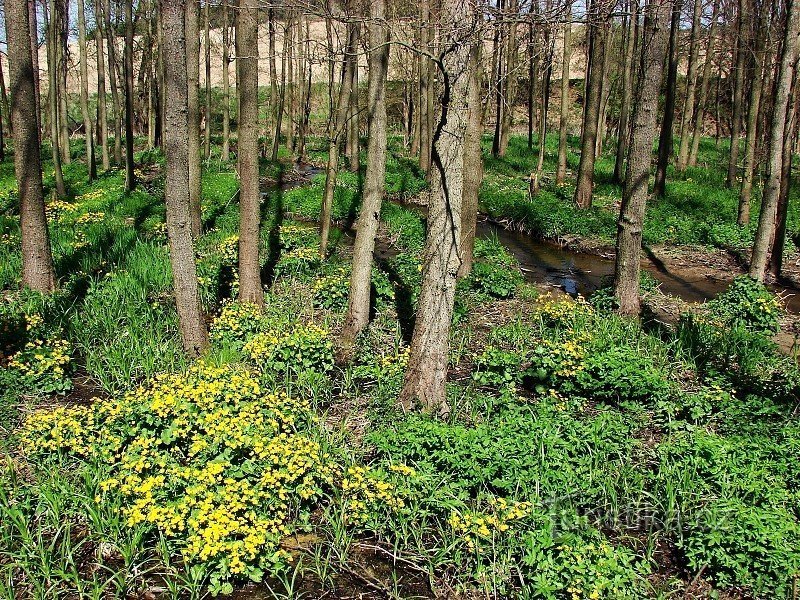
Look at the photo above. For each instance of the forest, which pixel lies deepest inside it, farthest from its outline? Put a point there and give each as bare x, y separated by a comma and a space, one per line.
384, 299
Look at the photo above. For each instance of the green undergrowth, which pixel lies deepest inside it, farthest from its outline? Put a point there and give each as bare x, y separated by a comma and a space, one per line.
584, 455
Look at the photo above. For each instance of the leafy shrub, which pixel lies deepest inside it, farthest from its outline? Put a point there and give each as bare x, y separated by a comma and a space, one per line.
237, 322
497, 367
754, 547
305, 347
621, 374
42, 367
221, 469
493, 280
747, 304
331, 291
298, 262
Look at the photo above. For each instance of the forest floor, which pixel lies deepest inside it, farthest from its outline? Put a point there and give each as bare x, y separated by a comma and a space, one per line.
583, 456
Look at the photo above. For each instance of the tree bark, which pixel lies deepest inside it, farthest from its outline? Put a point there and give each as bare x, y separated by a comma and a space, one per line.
112, 77
772, 179
282, 98
130, 175
60, 20
738, 94
176, 186
193, 78
84, 75
473, 163
691, 88
598, 32
643, 132
627, 92
34, 41
665, 140
37, 259
548, 76
700, 111
352, 144
207, 48
425, 89
4, 105
374, 179
337, 127
427, 365
751, 137
52, 92
510, 77
561, 170
226, 83
250, 288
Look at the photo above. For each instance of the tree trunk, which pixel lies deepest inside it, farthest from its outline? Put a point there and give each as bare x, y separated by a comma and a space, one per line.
112, 73
193, 78
427, 365
374, 179
282, 99
605, 93
561, 170
598, 32
738, 94
473, 163
34, 41
510, 76
337, 127
548, 76
352, 143
4, 106
779, 239
84, 74
425, 89
665, 140
60, 19
250, 289
627, 92
290, 87
751, 137
700, 112
643, 132
207, 48
130, 175
691, 88
226, 82
772, 179
52, 92
102, 119
37, 259
176, 185
532, 53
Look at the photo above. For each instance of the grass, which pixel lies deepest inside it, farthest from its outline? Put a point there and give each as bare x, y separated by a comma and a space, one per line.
585, 456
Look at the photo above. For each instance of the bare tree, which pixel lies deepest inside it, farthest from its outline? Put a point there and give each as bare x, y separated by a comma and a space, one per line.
427, 365
112, 77
738, 91
193, 64
130, 175
627, 91
374, 179
643, 133
665, 140
773, 176
700, 112
250, 288
226, 83
84, 74
598, 32
52, 92
176, 186
561, 170
102, 118
37, 259
691, 88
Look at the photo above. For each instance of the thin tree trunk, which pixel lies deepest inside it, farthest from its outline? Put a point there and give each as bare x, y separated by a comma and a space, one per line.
60, 19
700, 112
290, 87
226, 81
499, 78
598, 32
37, 259
338, 127
627, 92
52, 77
548, 75
531, 76
605, 93
691, 88
772, 179
176, 185
282, 99
84, 74
665, 140
193, 77
510, 77
352, 139
250, 289
374, 179
425, 89
643, 132
751, 139
427, 365
738, 93
112, 77
473, 163
779, 239
561, 170
4, 103
130, 175
207, 48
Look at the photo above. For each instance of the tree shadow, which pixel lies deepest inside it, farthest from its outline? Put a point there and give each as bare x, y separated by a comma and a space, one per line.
273, 208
